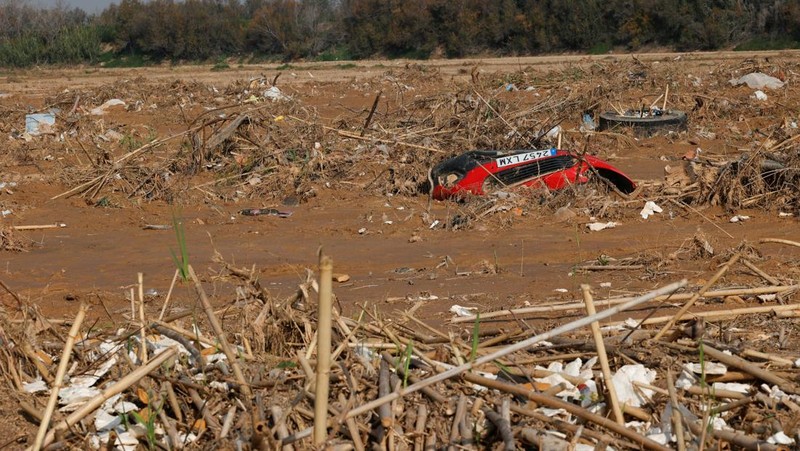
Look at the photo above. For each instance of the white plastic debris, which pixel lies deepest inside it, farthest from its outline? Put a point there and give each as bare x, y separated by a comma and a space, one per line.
780, 439
275, 94
714, 368
35, 386
553, 132
650, 208
561, 290
759, 95
102, 109
597, 226
605, 284
758, 80
623, 382
739, 218
784, 214
36, 124
462, 311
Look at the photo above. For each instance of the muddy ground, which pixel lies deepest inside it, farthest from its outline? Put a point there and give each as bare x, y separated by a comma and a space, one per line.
356, 192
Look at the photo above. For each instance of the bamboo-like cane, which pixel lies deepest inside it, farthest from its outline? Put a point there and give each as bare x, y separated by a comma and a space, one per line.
720, 314
244, 387
614, 301
760, 272
601, 355
677, 418
324, 329
119, 387
143, 331
62, 369
779, 241
690, 302
666, 94
169, 295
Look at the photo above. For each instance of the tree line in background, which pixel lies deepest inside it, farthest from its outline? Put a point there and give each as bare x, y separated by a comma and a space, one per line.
202, 30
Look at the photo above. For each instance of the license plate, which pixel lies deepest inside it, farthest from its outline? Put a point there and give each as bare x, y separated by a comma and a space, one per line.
523, 157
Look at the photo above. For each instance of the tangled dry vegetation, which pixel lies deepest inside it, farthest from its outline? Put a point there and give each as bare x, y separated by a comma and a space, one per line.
246, 375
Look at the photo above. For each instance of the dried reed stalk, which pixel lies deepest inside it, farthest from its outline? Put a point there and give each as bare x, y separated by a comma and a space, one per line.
324, 330
62, 369
244, 387
601, 355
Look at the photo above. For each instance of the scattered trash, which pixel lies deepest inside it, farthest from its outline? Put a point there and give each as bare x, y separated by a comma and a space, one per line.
462, 311
587, 124
40, 123
739, 218
275, 95
759, 95
624, 380
265, 212
780, 438
598, 226
650, 208
103, 109
757, 80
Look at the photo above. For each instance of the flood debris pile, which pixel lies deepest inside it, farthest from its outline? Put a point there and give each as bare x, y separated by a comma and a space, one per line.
674, 368
180, 142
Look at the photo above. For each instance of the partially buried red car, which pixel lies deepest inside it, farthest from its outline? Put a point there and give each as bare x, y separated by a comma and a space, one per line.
483, 171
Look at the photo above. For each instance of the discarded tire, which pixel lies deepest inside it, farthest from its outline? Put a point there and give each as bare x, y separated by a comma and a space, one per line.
644, 124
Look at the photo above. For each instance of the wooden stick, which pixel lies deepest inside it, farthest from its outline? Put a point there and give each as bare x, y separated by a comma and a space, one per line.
690, 302
244, 387
780, 241
324, 330
57, 383
39, 227
516, 347
419, 428
608, 267
118, 387
601, 354
666, 94
614, 301
371, 113
744, 365
761, 273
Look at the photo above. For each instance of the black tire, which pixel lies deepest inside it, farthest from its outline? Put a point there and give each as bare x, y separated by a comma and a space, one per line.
672, 120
